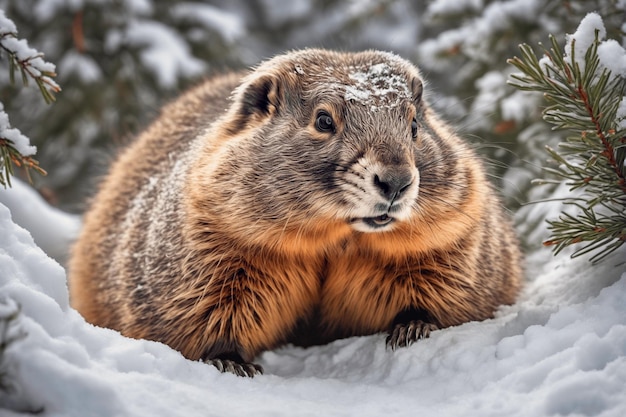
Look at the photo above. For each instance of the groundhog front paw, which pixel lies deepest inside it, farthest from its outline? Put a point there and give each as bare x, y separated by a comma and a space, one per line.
404, 334
237, 368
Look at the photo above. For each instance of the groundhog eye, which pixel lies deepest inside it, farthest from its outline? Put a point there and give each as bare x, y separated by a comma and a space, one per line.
414, 128
324, 122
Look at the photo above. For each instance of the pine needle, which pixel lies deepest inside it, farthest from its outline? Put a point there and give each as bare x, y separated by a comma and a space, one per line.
583, 102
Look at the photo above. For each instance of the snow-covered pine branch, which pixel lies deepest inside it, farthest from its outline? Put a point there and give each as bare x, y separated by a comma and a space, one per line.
29, 61
15, 148
584, 86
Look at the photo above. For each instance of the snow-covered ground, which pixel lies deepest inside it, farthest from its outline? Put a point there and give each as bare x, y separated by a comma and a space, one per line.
51, 229
561, 350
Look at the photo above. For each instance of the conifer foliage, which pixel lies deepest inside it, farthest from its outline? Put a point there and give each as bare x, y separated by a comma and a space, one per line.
15, 148
120, 61
584, 87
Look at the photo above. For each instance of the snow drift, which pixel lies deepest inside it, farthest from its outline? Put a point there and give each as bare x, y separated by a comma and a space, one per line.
561, 350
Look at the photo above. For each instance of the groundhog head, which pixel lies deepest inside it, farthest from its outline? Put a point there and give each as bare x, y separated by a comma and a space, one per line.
327, 136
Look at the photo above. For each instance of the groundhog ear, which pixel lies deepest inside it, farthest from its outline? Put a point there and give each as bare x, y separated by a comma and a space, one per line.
261, 97
417, 87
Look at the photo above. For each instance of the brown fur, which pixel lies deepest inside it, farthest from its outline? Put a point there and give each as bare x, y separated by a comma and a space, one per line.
233, 224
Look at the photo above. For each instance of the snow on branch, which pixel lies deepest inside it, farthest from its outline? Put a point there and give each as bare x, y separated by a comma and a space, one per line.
15, 148
584, 86
29, 61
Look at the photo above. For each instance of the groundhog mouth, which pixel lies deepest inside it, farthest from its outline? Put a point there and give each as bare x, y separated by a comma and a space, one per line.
375, 222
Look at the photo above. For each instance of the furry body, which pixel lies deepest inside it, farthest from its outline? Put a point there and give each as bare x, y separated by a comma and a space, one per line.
321, 199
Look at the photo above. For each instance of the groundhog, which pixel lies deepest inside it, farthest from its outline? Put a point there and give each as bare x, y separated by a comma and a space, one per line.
313, 198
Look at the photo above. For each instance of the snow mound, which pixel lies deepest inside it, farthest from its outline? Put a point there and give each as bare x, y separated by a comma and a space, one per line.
51, 229
561, 350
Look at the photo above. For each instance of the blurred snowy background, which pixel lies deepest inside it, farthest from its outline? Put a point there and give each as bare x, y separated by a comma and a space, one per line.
118, 61
560, 350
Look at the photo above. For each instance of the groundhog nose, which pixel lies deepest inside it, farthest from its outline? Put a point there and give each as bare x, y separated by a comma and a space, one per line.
392, 183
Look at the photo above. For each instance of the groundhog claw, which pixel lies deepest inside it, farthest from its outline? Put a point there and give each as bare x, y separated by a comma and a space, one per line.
239, 369
405, 334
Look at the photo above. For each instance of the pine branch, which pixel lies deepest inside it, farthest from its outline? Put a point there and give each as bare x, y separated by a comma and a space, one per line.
583, 98
10, 156
30, 64
14, 147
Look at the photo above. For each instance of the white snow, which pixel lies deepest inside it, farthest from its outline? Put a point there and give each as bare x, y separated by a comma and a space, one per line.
613, 57
140, 7
51, 229
438, 7
560, 350
82, 66
470, 37
520, 106
284, 11
376, 86
20, 142
45, 10
491, 89
611, 54
163, 51
6, 24
229, 25
31, 59
584, 37
621, 114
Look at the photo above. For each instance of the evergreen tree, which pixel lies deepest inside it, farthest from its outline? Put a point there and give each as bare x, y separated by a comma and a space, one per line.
119, 61
15, 148
584, 86
464, 53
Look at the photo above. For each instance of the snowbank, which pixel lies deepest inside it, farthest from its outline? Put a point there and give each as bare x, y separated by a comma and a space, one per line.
52, 229
561, 350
